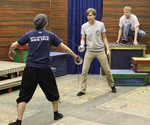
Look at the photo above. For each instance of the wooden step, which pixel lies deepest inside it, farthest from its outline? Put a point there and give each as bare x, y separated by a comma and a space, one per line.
129, 77
9, 83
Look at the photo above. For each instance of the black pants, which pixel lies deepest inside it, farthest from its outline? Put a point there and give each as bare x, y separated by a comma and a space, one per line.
34, 76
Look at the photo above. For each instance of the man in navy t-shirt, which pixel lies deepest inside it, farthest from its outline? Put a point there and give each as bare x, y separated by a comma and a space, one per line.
37, 70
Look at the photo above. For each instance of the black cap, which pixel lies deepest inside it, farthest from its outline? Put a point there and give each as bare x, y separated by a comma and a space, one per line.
40, 21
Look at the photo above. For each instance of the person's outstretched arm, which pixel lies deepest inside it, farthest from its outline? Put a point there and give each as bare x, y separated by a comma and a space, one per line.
12, 50
68, 50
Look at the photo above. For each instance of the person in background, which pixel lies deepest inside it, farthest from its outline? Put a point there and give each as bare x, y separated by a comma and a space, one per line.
129, 26
93, 32
37, 70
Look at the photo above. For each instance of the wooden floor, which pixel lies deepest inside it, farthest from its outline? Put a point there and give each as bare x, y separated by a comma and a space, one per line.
99, 106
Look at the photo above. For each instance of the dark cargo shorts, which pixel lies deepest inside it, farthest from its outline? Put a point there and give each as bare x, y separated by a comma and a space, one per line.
34, 76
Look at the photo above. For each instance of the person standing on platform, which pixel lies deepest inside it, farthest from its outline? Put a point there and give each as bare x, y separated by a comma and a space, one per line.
129, 26
37, 70
93, 32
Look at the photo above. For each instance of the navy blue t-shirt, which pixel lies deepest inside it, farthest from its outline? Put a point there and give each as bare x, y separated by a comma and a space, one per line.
40, 42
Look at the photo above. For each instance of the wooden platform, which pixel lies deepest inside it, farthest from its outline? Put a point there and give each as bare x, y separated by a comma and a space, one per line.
10, 83
129, 78
9, 68
121, 55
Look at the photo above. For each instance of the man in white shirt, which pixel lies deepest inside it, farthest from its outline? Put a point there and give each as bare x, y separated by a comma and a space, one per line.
129, 26
94, 37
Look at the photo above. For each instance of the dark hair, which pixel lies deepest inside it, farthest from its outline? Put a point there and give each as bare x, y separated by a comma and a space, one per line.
40, 21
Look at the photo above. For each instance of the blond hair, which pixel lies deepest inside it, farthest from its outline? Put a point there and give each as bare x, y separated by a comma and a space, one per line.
127, 8
91, 10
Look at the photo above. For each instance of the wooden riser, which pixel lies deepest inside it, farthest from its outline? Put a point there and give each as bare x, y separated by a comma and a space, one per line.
121, 55
141, 68
9, 83
129, 78
130, 81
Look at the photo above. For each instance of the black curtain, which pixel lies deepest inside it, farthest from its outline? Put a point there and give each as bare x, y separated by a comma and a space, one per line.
76, 17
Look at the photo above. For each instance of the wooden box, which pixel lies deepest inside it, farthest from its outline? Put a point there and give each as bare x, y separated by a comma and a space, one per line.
21, 54
147, 55
59, 61
121, 55
129, 77
141, 64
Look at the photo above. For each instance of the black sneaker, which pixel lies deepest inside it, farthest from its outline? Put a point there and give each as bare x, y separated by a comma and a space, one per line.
114, 90
58, 116
80, 94
14, 123
123, 42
